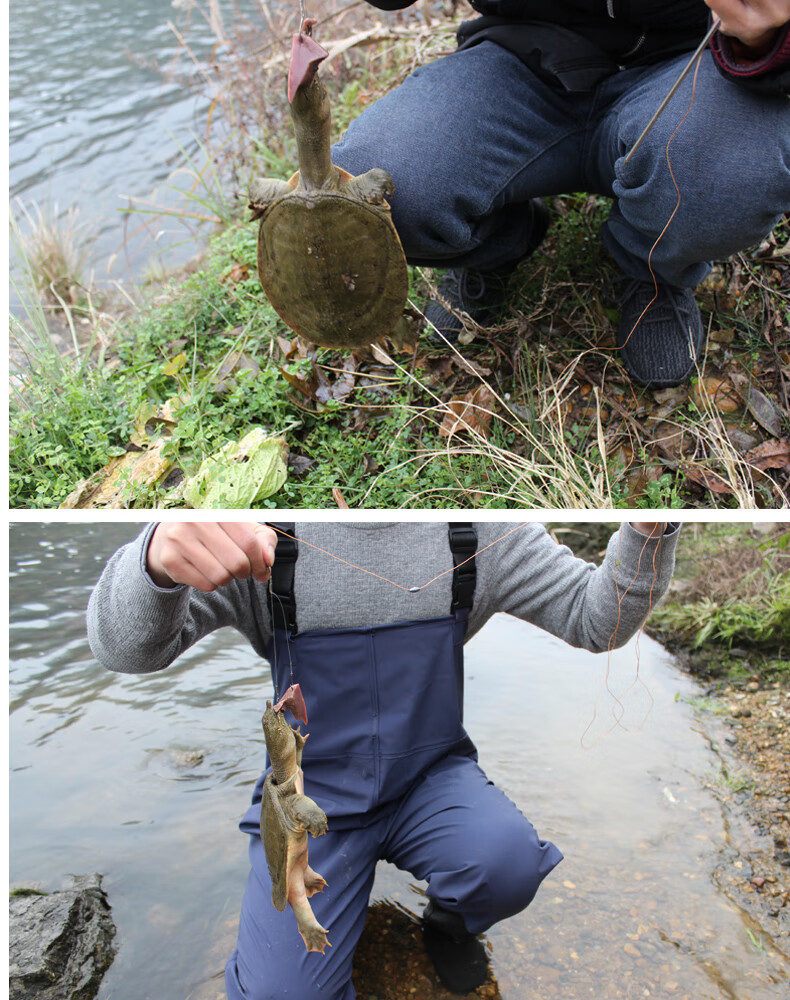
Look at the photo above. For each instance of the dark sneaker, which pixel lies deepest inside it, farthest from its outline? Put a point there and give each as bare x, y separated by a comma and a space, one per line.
458, 956
481, 294
663, 348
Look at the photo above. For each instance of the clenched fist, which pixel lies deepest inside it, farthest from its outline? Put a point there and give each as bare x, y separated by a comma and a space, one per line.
754, 23
208, 555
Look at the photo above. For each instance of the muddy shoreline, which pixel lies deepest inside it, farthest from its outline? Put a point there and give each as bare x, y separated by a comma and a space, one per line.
751, 723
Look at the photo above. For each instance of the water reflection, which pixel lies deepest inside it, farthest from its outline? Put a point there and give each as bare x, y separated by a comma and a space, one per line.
103, 97
144, 778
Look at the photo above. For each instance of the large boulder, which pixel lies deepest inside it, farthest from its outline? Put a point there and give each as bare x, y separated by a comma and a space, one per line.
60, 943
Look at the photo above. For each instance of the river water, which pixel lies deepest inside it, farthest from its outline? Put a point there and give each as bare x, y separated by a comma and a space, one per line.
144, 779
103, 97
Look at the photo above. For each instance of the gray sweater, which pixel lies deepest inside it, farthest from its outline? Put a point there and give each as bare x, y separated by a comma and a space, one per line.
136, 627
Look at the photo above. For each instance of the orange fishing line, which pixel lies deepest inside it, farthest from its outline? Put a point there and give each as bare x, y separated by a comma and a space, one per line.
400, 586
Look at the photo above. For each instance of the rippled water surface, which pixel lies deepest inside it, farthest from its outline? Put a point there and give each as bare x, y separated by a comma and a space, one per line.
144, 778
102, 97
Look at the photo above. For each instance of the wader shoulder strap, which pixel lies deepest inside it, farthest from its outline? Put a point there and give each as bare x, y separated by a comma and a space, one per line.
463, 544
282, 603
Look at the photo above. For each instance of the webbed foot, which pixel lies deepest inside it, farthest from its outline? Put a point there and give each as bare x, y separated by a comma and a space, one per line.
311, 816
263, 191
314, 936
371, 186
313, 882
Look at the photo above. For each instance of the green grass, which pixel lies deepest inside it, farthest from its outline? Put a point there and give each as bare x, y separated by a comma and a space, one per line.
730, 606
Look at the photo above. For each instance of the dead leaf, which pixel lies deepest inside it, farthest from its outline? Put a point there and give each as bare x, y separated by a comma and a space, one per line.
764, 410
471, 412
719, 392
710, 480
109, 487
175, 366
770, 454
339, 499
288, 347
239, 272
381, 355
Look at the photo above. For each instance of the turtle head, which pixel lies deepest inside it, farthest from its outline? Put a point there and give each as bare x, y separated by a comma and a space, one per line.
306, 56
280, 738
310, 104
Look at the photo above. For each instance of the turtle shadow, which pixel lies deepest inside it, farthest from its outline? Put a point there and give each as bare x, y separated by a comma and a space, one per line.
391, 963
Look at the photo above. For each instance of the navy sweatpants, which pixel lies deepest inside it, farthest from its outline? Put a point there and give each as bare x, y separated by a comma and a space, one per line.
480, 856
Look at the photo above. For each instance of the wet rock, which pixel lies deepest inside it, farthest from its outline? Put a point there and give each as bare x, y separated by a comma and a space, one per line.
60, 943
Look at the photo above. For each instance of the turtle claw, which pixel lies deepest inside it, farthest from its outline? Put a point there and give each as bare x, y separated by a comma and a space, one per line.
315, 938
313, 882
372, 187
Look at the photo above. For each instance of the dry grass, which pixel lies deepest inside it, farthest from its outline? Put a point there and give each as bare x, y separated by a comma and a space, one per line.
56, 247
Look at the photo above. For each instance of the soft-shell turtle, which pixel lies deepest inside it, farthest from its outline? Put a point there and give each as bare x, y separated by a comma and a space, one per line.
287, 816
329, 258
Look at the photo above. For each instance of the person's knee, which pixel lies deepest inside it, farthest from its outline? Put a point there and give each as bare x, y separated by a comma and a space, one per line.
516, 864
498, 874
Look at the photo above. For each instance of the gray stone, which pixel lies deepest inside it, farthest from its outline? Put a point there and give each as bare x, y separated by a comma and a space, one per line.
60, 943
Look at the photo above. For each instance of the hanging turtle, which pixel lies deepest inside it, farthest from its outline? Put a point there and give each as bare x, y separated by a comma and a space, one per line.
329, 258
287, 816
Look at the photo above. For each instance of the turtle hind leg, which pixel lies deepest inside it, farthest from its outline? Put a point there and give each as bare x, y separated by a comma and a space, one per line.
313, 882
313, 934
371, 186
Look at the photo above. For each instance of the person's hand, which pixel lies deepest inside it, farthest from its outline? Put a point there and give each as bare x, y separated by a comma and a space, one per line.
652, 529
754, 23
207, 555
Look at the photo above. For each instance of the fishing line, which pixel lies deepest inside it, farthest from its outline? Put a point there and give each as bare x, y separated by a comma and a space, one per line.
677, 203
618, 706
274, 645
669, 220
621, 595
400, 586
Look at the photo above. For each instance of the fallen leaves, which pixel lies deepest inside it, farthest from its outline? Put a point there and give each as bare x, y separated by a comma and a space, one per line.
469, 412
770, 454
111, 486
240, 473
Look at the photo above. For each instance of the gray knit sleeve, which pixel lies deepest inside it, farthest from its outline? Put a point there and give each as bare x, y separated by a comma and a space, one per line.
594, 608
136, 627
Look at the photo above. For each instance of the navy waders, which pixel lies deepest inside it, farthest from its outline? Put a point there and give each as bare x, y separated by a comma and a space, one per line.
389, 761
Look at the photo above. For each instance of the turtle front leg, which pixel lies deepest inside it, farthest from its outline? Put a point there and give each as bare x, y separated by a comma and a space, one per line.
308, 814
263, 191
371, 186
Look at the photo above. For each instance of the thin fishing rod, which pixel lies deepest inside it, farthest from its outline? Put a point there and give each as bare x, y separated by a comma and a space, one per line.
683, 74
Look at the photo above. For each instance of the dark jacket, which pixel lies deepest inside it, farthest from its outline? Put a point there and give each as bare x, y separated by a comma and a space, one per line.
577, 43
